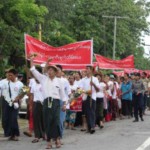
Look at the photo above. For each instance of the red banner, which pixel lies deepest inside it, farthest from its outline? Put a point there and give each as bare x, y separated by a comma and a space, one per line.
119, 73
76, 54
77, 107
106, 63
77, 67
129, 71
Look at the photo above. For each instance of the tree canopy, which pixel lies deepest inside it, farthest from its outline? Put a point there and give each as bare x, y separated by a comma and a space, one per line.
66, 21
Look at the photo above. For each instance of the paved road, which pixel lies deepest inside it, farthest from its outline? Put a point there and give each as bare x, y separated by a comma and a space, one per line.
117, 135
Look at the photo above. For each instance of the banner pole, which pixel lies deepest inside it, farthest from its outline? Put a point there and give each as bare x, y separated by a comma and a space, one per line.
92, 73
92, 51
26, 62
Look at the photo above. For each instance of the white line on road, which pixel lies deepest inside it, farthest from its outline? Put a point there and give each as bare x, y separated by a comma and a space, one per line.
142, 133
144, 145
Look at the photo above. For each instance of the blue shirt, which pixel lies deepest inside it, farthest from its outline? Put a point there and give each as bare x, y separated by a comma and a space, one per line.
126, 88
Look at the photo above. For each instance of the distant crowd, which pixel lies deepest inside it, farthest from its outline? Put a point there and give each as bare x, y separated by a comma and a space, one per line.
50, 94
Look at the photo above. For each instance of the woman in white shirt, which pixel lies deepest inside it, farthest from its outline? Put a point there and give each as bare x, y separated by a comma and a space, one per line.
100, 102
71, 115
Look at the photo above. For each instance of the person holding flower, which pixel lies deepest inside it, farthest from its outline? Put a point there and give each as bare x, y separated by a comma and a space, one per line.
90, 85
71, 115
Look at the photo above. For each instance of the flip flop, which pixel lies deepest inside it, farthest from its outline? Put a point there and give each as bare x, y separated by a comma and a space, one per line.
35, 141
27, 134
49, 147
15, 139
73, 129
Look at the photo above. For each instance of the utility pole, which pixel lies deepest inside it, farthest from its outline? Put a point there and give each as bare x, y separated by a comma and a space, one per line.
115, 30
40, 32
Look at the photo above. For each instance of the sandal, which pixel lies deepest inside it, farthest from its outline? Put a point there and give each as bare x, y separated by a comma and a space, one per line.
58, 144
10, 138
35, 141
15, 139
73, 128
27, 134
49, 146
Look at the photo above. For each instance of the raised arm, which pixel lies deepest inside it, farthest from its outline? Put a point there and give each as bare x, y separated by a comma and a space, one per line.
35, 73
47, 63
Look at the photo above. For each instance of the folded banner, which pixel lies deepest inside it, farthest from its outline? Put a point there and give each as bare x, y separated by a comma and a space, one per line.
75, 54
106, 63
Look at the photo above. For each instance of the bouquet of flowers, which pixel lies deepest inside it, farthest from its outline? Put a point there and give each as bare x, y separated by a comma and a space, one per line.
77, 94
24, 90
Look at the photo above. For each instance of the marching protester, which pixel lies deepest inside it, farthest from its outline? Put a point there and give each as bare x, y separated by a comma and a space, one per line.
67, 91
31, 82
145, 82
36, 90
71, 115
100, 102
126, 89
114, 102
80, 116
12, 96
138, 90
3, 92
148, 94
90, 85
53, 92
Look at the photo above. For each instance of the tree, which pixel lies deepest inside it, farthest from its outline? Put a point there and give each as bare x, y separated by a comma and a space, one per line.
21, 16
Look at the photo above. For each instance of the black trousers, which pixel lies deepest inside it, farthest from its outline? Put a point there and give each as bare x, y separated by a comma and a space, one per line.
11, 127
3, 105
126, 107
138, 105
99, 110
90, 107
38, 120
52, 118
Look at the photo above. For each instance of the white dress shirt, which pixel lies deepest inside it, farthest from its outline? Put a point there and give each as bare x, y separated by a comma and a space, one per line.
15, 88
78, 83
67, 88
37, 91
101, 87
85, 85
3, 89
51, 88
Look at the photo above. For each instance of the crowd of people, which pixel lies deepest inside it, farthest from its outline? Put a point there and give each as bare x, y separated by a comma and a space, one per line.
104, 98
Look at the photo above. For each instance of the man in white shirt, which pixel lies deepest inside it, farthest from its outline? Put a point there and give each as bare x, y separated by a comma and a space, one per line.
90, 85
12, 97
67, 91
3, 103
53, 92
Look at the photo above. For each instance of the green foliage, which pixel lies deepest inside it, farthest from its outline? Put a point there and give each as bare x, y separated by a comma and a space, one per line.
21, 16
